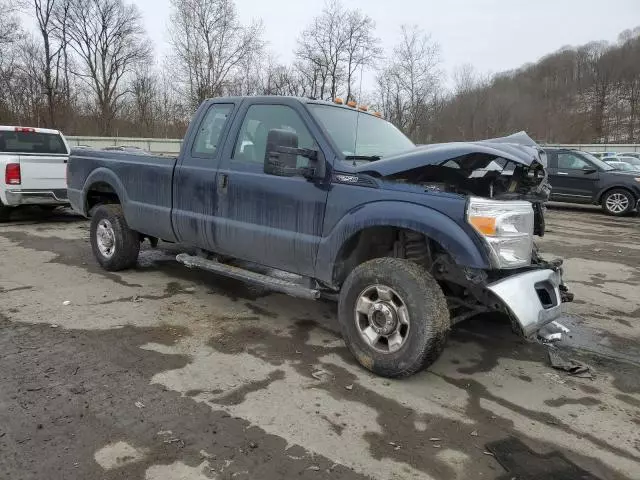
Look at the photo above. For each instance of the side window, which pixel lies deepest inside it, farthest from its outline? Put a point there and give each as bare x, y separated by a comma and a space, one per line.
552, 159
208, 136
569, 161
251, 144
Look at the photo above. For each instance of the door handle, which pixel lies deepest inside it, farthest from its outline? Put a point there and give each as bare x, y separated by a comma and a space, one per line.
563, 173
223, 182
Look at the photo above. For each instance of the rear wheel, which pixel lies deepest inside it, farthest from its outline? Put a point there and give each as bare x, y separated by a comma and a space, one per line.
618, 202
394, 316
114, 244
5, 213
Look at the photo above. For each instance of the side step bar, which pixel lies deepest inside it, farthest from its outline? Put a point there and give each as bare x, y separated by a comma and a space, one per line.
275, 284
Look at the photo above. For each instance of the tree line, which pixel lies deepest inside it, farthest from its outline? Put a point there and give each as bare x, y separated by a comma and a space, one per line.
89, 69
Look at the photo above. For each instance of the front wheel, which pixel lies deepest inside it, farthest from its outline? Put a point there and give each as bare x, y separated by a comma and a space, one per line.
618, 202
114, 244
393, 316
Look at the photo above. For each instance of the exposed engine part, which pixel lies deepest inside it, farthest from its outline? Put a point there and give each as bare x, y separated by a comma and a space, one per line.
413, 246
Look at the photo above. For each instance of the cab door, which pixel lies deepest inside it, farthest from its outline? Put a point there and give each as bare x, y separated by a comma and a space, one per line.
573, 178
271, 220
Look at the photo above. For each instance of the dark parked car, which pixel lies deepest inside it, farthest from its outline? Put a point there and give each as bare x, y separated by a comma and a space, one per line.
579, 177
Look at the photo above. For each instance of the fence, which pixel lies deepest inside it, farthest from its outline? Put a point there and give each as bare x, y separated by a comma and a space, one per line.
155, 145
172, 145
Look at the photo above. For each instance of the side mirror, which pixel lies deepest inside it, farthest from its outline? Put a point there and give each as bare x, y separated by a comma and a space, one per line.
281, 156
589, 170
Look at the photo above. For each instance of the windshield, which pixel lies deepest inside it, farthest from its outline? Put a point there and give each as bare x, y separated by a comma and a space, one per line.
32, 142
360, 134
597, 162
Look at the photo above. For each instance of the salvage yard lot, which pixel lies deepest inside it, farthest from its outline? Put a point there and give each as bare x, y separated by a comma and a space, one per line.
170, 373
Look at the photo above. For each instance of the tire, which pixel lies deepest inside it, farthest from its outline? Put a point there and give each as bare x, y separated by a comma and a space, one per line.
5, 213
125, 243
618, 202
428, 316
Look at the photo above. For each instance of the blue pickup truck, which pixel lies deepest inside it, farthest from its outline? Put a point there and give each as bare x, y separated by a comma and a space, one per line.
319, 199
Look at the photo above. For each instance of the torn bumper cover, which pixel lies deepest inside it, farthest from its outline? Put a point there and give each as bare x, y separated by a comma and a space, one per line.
532, 298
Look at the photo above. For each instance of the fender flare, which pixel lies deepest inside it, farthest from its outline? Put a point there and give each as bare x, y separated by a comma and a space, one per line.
104, 175
464, 246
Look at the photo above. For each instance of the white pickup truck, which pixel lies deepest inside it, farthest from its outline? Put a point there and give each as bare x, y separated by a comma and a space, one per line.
33, 165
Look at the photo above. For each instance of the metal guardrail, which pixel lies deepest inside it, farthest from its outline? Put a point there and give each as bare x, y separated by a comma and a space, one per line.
601, 147
172, 145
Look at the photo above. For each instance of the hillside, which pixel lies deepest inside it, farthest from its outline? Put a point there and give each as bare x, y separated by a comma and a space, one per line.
587, 94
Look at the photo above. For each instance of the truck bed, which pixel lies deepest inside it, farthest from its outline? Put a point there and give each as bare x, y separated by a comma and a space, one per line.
143, 184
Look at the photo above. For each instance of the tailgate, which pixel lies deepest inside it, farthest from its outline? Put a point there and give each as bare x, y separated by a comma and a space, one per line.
43, 172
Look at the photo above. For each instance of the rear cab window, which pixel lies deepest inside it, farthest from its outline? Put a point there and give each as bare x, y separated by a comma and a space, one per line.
209, 134
30, 141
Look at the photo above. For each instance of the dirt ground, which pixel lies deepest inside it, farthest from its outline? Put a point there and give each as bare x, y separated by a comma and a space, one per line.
168, 373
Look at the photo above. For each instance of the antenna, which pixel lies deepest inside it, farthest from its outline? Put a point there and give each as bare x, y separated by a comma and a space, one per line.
355, 146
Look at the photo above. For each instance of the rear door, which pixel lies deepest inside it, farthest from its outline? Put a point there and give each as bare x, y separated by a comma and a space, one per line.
43, 155
195, 182
573, 178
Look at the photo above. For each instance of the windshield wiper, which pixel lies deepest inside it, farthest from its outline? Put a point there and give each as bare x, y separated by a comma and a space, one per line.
370, 158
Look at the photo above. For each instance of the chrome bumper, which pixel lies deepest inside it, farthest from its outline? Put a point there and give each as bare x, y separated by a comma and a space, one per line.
36, 197
533, 298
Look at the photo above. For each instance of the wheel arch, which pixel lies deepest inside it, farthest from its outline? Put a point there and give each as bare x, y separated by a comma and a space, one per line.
606, 190
103, 187
388, 219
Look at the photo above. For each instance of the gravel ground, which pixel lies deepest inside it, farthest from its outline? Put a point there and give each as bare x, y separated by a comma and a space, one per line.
168, 373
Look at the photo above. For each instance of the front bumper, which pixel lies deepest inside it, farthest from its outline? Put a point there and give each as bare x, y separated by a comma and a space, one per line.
36, 197
533, 298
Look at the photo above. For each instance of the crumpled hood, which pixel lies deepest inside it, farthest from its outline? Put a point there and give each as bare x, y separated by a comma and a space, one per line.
519, 148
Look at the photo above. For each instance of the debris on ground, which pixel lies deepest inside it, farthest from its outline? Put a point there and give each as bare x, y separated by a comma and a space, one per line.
66, 303
349, 387
572, 367
552, 332
474, 433
435, 439
139, 404
315, 468
176, 441
320, 374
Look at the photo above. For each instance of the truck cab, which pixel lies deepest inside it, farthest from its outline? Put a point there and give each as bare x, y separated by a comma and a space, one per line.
321, 199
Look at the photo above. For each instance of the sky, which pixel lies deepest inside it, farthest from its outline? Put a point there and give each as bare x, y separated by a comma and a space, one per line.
492, 35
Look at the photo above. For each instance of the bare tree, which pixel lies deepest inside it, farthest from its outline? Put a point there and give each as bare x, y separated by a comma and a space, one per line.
211, 45
9, 26
144, 93
109, 40
362, 47
321, 51
410, 83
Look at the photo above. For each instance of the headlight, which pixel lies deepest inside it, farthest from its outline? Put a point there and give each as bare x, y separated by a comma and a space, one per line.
507, 228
